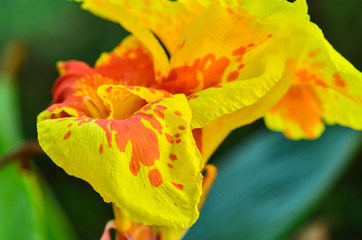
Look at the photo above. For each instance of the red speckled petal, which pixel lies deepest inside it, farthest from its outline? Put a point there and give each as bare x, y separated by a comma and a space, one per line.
129, 160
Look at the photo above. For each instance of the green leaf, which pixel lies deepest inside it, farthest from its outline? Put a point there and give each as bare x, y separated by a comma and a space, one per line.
268, 184
27, 208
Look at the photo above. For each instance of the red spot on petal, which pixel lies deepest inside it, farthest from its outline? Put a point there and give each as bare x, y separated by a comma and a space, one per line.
175, 204
178, 140
109, 89
177, 113
100, 149
147, 107
241, 66
155, 178
69, 125
67, 135
240, 59
270, 35
232, 76
177, 135
182, 44
206, 72
159, 113
181, 127
251, 45
239, 51
134, 167
173, 157
169, 165
338, 80
169, 138
161, 107
178, 186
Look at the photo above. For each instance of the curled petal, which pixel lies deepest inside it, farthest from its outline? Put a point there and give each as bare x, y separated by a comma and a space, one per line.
146, 156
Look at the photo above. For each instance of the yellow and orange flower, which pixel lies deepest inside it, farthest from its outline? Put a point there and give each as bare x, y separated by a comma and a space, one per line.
139, 127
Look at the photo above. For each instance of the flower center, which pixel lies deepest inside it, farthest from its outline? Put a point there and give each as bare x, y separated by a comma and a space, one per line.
96, 110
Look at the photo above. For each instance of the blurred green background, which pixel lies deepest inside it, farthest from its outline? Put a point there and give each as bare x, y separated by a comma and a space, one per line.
54, 30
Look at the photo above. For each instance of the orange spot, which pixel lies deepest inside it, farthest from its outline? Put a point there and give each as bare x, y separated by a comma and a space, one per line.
182, 44
177, 135
270, 35
239, 51
67, 135
302, 76
240, 59
100, 149
178, 186
69, 125
241, 66
169, 165
159, 113
177, 113
155, 178
178, 141
181, 127
161, 107
175, 204
134, 167
232, 76
314, 53
318, 65
169, 138
318, 81
203, 73
251, 45
338, 80
306, 115
173, 157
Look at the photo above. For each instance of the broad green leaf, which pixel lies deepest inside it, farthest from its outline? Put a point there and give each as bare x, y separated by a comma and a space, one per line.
266, 185
27, 208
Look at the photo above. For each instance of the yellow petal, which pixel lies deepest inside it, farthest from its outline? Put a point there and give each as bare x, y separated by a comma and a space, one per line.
146, 156
166, 233
213, 134
325, 87
260, 8
238, 60
117, 11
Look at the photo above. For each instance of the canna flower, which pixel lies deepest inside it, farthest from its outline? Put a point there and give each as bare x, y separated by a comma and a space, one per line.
139, 126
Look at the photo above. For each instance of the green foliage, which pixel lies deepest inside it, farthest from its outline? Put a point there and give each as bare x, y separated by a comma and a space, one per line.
266, 185
27, 209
